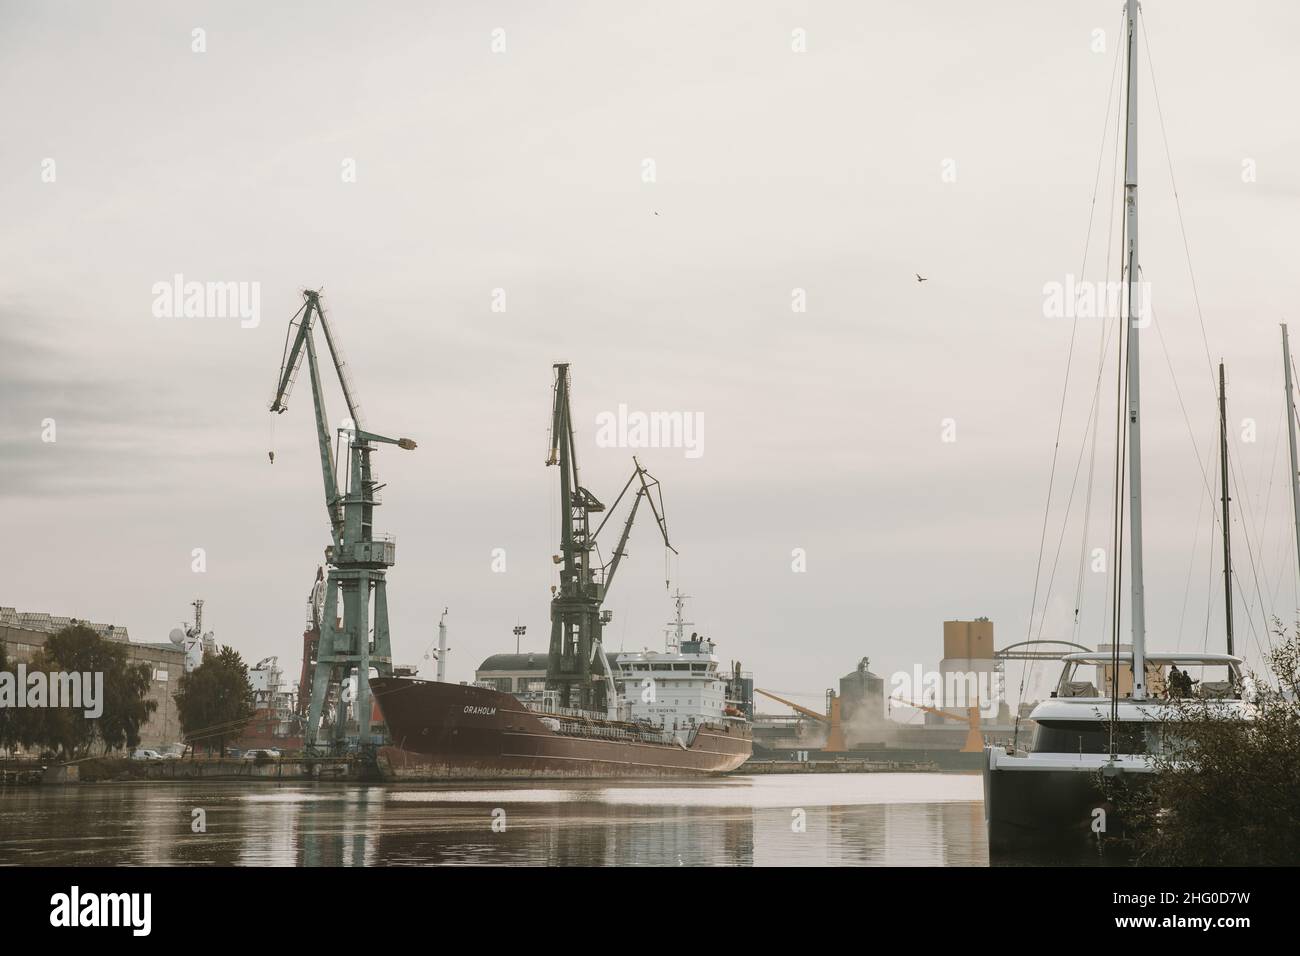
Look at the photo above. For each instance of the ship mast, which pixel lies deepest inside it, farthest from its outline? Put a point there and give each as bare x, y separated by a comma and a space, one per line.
678, 623
1133, 292
1290, 432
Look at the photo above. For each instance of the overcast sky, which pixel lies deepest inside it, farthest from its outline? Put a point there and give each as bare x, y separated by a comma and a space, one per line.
957, 140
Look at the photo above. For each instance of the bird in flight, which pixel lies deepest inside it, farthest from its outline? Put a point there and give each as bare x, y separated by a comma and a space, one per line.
920, 278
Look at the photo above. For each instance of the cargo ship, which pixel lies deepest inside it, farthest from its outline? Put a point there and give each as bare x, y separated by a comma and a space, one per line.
676, 714
638, 714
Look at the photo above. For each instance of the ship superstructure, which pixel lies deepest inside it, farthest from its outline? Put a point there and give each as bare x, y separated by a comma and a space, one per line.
682, 685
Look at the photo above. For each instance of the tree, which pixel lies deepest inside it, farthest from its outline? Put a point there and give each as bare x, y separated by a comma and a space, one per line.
79, 650
215, 700
1226, 792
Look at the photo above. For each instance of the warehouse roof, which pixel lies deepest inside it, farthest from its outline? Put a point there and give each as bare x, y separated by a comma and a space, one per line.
50, 624
532, 661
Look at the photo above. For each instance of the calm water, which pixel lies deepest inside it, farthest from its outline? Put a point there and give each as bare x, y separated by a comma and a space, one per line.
855, 819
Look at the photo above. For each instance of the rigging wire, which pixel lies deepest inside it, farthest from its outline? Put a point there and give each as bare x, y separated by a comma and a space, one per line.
1069, 363
1292, 419
1206, 483
1209, 592
1288, 541
1104, 347
1196, 298
1191, 563
1236, 482
1178, 204
1262, 526
1121, 421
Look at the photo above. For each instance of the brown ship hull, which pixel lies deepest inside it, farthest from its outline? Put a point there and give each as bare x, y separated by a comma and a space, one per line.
455, 731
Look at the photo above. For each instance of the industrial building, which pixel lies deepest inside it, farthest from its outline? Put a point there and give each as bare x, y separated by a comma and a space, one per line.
863, 720
968, 656
24, 633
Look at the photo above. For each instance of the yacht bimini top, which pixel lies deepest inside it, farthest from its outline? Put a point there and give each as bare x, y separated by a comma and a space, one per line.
1219, 675
1153, 657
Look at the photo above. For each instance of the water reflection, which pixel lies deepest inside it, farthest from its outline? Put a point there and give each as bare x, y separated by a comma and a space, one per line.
841, 819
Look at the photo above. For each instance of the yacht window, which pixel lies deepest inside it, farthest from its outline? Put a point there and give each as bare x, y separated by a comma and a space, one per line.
1088, 737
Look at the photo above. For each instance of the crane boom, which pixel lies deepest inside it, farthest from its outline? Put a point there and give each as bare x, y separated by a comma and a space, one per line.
835, 731
290, 361
648, 482
974, 737
303, 345
340, 368
798, 708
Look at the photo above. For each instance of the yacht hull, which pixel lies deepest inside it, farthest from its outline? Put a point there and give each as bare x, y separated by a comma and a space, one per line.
1031, 804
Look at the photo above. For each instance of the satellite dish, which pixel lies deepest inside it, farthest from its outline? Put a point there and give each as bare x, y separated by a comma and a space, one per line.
177, 636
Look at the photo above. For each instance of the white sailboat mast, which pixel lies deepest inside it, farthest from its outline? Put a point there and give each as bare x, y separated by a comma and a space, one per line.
1137, 313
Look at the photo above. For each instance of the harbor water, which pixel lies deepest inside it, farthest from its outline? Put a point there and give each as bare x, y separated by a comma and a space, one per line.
869, 819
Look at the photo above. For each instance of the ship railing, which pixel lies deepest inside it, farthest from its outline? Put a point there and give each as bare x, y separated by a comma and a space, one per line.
616, 734
557, 711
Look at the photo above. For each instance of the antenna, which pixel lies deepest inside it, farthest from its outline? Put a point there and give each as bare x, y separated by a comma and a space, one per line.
678, 623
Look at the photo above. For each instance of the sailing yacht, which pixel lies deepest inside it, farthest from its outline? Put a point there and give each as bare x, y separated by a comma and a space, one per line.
1113, 724
1052, 795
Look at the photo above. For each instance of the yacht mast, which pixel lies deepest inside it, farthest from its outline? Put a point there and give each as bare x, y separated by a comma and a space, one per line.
1134, 392
1227, 526
1290, 431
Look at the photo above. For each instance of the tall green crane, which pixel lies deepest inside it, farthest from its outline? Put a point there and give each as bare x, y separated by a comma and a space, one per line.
357, 559
576, 666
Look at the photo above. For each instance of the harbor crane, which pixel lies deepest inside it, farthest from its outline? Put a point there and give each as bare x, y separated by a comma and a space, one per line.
350, 644
974, 742
576, 666
835, 743
834, 730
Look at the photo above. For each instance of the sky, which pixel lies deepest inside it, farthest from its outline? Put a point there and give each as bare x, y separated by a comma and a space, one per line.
718, 210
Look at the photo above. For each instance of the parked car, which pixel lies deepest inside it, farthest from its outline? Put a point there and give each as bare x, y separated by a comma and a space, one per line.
260, 754
146, 755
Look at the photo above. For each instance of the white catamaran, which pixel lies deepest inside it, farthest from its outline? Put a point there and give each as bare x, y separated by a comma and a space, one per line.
1106, 725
